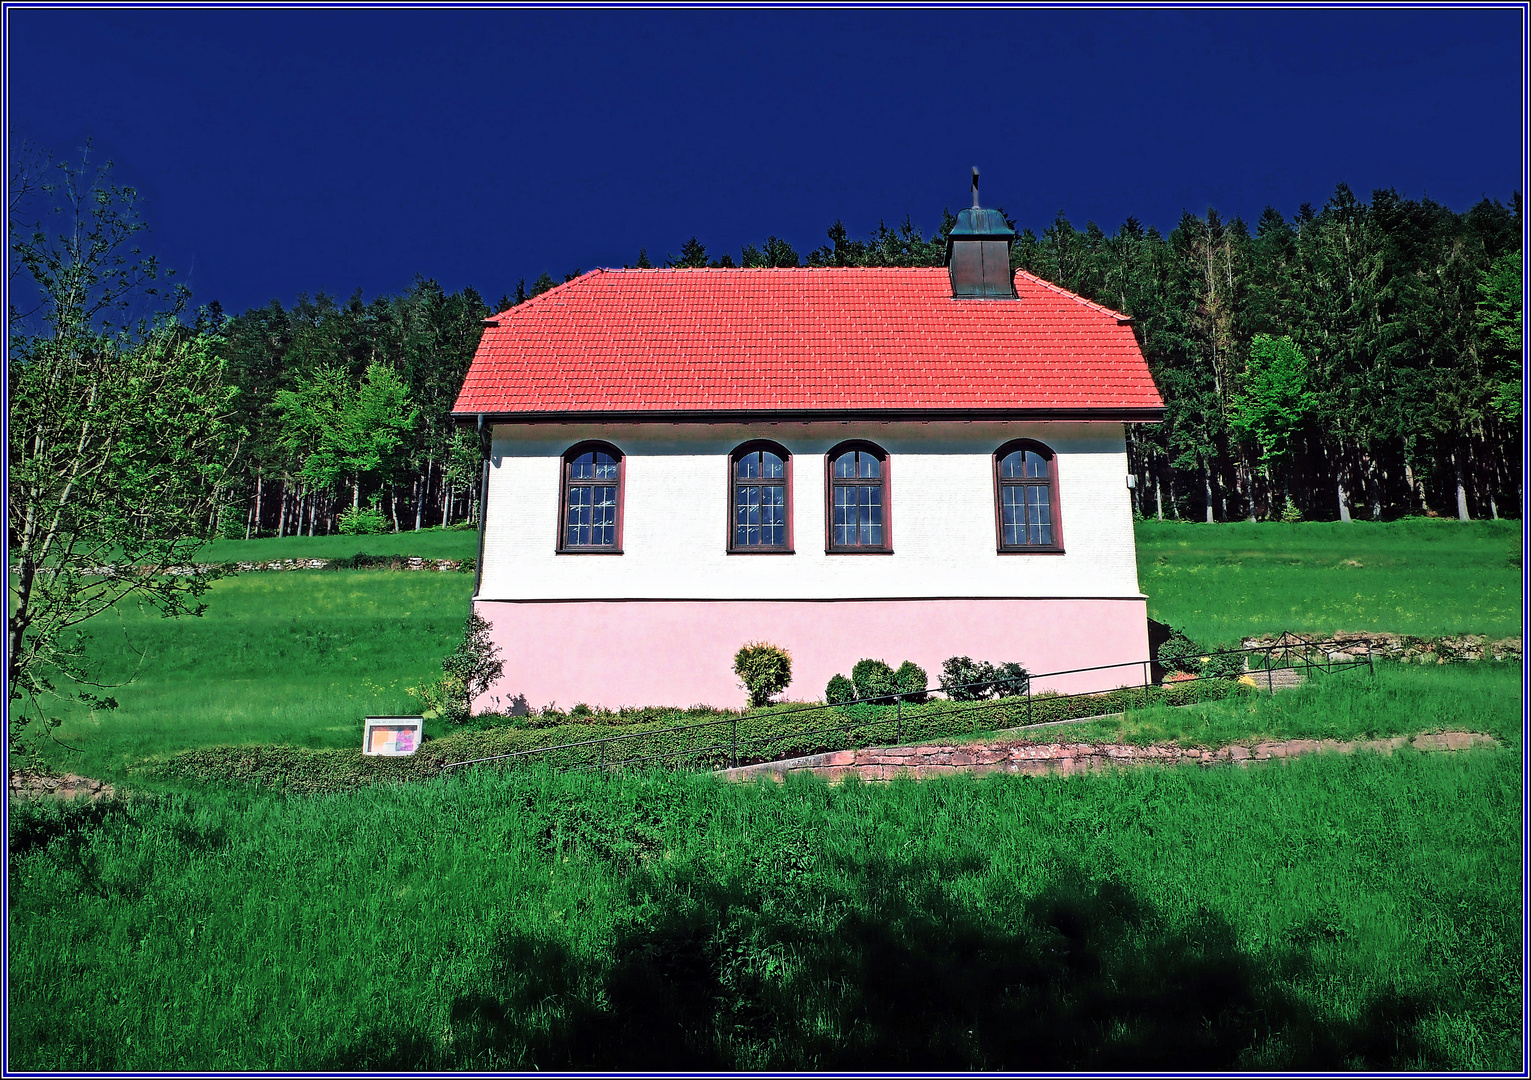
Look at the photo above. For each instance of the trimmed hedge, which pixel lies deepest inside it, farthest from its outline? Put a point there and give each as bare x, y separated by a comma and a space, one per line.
763, 735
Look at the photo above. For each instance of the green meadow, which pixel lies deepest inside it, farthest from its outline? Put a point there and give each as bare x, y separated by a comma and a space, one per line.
294, 657
1420, 576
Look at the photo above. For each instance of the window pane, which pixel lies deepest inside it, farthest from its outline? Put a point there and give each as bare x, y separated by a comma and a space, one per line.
604, 517
1010, 468
845, 464
773, 516
771, 466
749, 467
593, 465
579, 517
1013, 519
1036, 465
871, 468
870, 507
592, 517
845, 530
1039, 517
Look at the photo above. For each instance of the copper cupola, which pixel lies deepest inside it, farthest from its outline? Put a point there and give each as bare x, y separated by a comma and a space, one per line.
978, 253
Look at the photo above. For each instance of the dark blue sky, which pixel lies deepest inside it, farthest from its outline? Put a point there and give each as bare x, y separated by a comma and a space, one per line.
294, 150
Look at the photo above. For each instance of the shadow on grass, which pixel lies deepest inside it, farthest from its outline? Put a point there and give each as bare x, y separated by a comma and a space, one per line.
713, 974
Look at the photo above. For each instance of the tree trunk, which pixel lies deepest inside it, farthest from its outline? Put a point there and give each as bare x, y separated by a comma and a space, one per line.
1456, 466
393, 506
281, 513
257, 502
1206, 479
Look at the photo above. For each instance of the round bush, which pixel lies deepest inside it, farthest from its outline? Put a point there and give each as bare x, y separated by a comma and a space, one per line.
763, 669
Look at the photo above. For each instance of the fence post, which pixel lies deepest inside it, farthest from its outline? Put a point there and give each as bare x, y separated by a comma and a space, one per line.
900, 700
1029, 717
603, 755
1270, 676
733, 755
1145, 684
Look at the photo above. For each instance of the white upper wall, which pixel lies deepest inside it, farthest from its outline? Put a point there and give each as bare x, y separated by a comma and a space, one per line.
676, 510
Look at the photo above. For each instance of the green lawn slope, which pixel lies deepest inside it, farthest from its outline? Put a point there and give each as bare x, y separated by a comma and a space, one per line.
1417, 576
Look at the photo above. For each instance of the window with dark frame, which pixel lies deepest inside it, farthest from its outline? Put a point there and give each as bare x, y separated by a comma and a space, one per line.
592, 499
761, 499
1026, 482
858, 503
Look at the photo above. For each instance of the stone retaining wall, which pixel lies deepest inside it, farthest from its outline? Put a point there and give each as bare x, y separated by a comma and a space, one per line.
921, 762
1419, 650
25, 784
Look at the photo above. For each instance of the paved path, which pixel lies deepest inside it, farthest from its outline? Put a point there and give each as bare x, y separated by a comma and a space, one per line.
920, 762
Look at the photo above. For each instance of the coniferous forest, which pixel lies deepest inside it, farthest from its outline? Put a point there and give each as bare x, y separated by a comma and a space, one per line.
1360, 359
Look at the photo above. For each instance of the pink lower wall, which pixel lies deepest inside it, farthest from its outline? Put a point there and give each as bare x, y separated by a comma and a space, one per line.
680, 652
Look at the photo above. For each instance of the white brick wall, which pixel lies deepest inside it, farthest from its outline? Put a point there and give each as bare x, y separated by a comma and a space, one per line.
676, 516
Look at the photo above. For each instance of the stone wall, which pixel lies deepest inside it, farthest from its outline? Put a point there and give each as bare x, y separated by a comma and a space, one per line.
922, 762
1419, 650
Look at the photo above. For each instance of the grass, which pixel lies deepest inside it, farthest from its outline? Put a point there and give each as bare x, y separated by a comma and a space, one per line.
434, 543
1399, 699
1328, 913
1418, 576
296, 658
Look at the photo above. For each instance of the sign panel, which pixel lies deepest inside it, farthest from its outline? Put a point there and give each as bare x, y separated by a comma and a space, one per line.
392, 736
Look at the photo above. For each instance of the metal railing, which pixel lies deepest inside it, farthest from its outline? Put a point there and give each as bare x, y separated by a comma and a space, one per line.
717, 743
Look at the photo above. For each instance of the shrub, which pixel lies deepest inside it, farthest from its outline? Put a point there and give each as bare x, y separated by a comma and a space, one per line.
1180, 653
1010, 678
467, 673
763, 669
966, 679
873, 679
839, 691
363, 521
911, 680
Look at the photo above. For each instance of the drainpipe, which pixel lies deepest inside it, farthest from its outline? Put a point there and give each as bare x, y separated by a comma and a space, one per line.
483, 504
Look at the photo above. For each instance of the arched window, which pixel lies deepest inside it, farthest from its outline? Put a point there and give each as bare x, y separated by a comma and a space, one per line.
590, 518
760, 498
1026, 497
859, 519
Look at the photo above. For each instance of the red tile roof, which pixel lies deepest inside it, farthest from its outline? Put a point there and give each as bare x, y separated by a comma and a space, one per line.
806, 341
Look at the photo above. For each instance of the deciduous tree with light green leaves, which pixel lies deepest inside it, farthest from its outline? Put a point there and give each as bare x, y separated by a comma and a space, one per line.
119, 434
336, 430
1277, 398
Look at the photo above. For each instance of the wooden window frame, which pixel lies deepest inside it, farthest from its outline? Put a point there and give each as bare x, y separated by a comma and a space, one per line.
1056, 547
566, 481
885, 482
743, 449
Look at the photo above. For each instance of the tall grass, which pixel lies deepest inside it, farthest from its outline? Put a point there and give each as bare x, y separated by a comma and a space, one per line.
1327, 913
1417, 576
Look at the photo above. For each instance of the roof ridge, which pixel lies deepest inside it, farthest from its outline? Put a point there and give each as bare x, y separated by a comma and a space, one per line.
1102, 308
531, 301
752, 269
